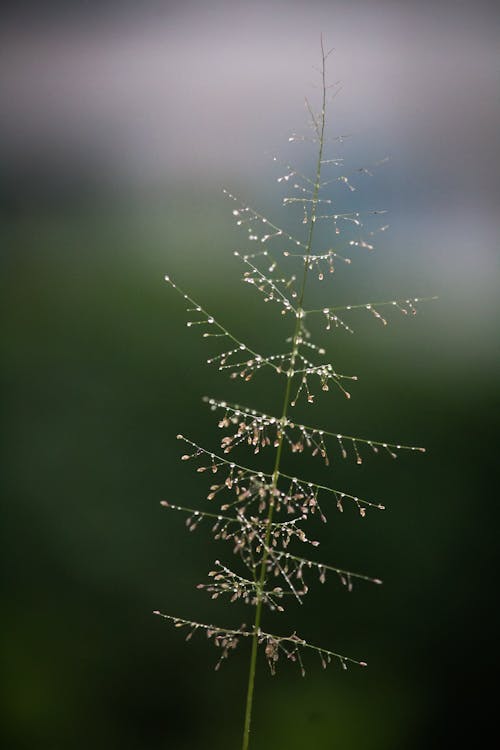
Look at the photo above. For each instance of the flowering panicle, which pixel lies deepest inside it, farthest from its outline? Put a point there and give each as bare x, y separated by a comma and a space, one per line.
263, 514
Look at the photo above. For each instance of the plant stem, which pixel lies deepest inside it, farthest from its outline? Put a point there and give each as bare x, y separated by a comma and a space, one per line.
279, 449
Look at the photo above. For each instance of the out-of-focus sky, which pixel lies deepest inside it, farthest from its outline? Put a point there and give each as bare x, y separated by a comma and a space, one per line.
169, 91
121, 96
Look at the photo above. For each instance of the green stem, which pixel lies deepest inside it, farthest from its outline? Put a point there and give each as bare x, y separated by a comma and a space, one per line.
279, 449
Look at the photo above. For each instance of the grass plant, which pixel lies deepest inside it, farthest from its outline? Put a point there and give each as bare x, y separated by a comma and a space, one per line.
263, 515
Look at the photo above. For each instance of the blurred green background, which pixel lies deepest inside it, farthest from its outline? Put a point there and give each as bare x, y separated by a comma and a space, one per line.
100, 374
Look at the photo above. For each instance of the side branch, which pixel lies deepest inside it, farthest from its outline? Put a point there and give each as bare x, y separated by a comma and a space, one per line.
301, 495
227, 639
225, 360
367, 305
268, 285
405, 306
254, 427
245, 215
285, 529
303, 562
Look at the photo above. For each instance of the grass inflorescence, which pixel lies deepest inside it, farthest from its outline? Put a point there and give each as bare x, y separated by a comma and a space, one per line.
263, 515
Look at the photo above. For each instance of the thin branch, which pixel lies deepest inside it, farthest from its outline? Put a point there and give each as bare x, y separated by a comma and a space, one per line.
323, 566
301, 484
242, 218
209, 320
306, 430
214, 630
368, 305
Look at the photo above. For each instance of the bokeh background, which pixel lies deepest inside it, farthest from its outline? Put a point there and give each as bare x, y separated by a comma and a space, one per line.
120, 124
